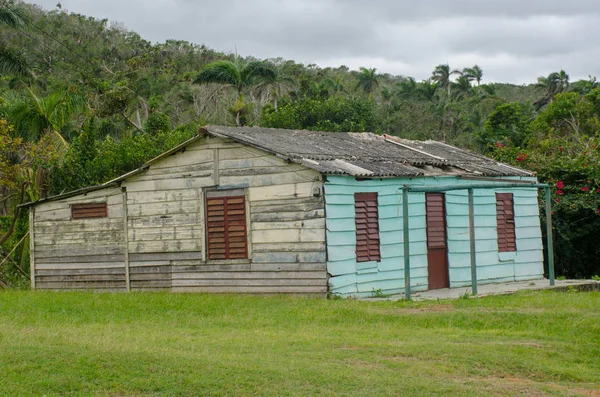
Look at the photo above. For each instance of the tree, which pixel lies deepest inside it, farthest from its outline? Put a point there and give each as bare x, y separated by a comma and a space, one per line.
12, 61
33, 115
555, 83
442, 74
367, 80
334, 113
238, 75
474, 73
509, 124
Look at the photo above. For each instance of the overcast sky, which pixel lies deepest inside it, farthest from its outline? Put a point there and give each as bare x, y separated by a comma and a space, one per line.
512, 40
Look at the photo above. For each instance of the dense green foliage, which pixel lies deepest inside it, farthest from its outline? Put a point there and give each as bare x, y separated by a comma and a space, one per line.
160, 344
82, 101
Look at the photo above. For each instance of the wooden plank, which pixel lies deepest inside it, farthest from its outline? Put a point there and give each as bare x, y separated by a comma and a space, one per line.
32, 246
78, 249
178, 245
160, 196
251, 275
151, 284
81, 277
80, 266
288, 247
151, 270
287, 216
254, 179
248, 282
318, 223
289, 207
312, 290
174, 174
158, 256
290, 267
201, 221
142, 264
126, 240
151, 277
83, 285
166, 233
77, 226
85, 259
200, 268
168, 184
66, 272
100, 236
163, 220
302, 190
163, 208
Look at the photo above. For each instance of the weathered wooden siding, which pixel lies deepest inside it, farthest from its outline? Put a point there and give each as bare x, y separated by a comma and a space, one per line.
349, 277
165, 224
80, 253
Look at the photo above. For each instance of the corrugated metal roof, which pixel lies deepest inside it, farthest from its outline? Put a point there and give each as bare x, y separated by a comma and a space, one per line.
365, 154
359, 154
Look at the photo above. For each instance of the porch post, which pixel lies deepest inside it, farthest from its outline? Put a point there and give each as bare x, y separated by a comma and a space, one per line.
406, 243
549, 243
472, 242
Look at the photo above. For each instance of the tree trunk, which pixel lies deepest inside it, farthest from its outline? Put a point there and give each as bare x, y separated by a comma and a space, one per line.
237, 118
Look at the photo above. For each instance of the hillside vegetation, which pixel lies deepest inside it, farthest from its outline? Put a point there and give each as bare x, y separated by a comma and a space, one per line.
83, 101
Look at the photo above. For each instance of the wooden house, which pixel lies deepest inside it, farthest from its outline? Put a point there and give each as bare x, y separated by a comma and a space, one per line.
257, 210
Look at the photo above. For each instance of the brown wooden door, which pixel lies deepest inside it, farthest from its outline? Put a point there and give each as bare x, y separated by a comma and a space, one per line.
437, 249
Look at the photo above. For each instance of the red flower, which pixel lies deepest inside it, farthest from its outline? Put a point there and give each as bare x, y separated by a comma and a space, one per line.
560, 192
499, 144
585, 189
561, 149
599, 210
598, 190
560, 185
585, 165
552, 213
557, 200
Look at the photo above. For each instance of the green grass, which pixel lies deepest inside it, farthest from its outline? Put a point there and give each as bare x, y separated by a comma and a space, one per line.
542, 343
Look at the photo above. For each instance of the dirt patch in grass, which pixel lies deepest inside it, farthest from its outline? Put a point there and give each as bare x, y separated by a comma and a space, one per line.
534, 388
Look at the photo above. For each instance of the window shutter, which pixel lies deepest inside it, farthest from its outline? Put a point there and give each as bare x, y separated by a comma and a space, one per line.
436, 220
226, 225
367, 227
89, 210
505, 220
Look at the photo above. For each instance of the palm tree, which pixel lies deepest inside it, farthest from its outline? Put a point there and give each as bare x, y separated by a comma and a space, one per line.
443, 76
407, 88
335, 86
555, 83
34, 116
239, 76
367, 80
463, 86
427, 89
474, 73
276, 88
11, 60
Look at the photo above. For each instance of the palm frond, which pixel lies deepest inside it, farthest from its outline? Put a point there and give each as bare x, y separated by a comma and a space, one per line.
11, 16
220, 72
257, 70
13, 62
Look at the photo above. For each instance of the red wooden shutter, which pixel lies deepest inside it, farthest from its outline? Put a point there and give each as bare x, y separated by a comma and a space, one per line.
89, 210
436, 220
367, 227
226, 223
505, 220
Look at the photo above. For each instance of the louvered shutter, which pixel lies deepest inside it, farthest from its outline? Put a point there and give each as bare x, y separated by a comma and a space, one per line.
505, 220
367, 227
226, 225
436, 215
89, 210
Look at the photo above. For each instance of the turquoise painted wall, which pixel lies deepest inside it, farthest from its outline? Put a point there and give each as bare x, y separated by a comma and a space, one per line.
351, 278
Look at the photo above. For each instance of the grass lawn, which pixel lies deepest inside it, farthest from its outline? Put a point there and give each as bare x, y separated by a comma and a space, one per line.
140, 344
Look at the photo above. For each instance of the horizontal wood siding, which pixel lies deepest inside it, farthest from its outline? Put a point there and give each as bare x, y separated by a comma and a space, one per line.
77, 252
352, 278
285, 225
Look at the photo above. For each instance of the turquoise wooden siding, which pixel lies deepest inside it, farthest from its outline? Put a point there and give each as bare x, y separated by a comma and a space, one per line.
351, 278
